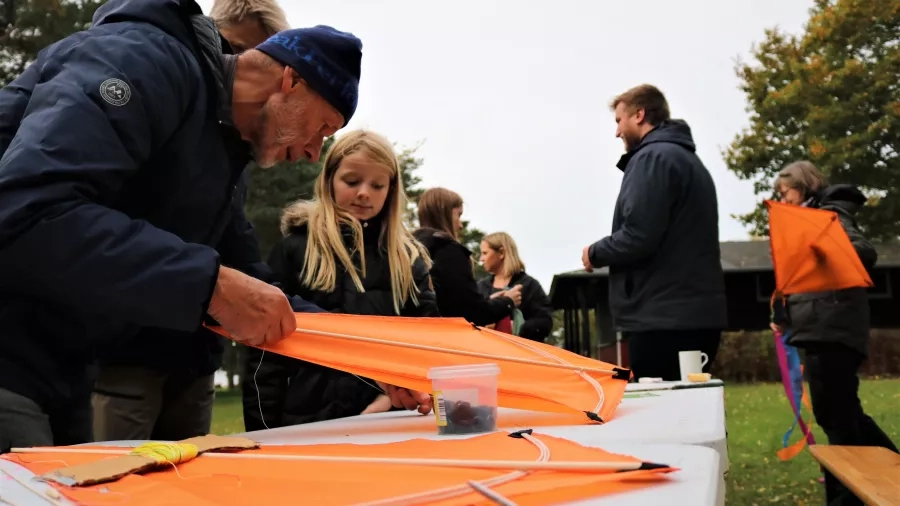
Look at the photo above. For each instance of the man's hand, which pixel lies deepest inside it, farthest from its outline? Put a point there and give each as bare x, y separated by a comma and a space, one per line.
775, 328
586, 259
253, 312
407, 399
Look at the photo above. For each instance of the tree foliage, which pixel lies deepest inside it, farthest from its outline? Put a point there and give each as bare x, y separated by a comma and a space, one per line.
831, 96
27, 26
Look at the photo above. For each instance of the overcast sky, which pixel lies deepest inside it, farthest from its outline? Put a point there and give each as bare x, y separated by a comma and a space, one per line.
510, 99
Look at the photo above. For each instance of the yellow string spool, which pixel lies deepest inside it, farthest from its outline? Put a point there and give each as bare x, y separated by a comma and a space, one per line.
166, 453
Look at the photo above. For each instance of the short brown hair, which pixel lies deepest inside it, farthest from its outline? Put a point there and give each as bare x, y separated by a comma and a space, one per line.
436, 207
648, 98
802, 176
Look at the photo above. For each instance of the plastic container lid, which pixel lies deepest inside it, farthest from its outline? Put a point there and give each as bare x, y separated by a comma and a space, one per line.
463, 371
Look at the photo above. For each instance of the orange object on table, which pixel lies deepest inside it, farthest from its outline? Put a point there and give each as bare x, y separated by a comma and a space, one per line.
400, 351
224, 481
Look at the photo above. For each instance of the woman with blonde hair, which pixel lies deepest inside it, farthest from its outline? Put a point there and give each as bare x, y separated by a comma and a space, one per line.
440, 216
500, 257
347, 251
832, 327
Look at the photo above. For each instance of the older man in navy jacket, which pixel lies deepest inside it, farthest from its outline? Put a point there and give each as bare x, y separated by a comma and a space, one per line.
122, 149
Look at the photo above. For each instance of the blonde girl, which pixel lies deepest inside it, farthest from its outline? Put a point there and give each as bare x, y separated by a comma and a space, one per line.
347, 251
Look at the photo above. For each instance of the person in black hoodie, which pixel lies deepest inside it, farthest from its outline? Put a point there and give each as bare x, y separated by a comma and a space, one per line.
666, 285
832, 327
440, 212
500, 257
346, 251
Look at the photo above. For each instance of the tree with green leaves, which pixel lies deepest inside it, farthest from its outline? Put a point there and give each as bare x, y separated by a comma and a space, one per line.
27, 26
831, 96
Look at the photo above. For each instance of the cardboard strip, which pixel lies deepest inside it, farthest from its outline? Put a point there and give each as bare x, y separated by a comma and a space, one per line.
114, 468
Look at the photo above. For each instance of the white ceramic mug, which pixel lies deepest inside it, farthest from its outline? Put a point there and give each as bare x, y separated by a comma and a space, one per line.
691, 362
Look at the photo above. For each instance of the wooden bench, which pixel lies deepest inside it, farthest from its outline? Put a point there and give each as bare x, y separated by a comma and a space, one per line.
872, 473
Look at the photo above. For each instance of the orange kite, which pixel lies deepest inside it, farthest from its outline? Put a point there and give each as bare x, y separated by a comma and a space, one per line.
811, 252
268, 475
400, 351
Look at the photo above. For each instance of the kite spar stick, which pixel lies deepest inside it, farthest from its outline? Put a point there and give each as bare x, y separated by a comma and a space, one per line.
456, 352
490, 494
477, 464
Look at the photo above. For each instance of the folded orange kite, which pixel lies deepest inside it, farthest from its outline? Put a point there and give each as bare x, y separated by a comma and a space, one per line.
795, 234
256, 478
399, 351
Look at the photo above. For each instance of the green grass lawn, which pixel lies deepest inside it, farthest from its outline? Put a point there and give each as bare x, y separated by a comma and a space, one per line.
756, 417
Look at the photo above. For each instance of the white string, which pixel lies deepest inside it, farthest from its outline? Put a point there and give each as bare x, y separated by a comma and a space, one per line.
591, 381
258, 398
463, 489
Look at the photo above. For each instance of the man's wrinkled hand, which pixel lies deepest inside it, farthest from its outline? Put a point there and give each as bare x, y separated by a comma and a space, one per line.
407, 399
586, 259
251, 311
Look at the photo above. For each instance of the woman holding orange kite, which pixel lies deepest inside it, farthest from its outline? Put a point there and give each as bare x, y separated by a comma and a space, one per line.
830, 319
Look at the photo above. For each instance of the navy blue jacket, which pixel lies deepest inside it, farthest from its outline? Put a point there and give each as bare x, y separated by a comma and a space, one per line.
665, 270
118, 170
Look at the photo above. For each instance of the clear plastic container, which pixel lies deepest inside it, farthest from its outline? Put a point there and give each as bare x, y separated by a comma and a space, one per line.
465, 398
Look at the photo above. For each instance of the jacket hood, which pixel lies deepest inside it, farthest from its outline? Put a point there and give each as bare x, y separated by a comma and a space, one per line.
183, 20
432, 238
673, 131
167, 15
296, 216
843, 196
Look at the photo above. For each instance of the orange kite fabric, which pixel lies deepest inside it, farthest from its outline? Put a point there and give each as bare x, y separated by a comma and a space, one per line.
208, 480
811, 252
383, 348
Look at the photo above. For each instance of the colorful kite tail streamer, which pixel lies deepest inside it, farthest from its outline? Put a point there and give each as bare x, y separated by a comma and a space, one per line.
792, 379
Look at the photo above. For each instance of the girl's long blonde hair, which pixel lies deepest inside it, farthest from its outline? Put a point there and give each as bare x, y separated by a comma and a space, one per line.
324, 220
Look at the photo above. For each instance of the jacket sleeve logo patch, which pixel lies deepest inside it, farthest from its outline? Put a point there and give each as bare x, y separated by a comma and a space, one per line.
115, 92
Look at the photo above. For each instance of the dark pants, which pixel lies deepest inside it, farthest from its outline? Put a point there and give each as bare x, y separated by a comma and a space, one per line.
831, 370
23, 423
141, 403
654, 353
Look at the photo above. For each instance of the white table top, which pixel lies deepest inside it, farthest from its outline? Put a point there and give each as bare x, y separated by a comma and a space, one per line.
693, 416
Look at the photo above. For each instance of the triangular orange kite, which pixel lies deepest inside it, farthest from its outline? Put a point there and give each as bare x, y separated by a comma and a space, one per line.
811, 252
400, 351
270, 475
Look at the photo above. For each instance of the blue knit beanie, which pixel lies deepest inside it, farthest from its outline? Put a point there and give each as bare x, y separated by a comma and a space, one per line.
327, 59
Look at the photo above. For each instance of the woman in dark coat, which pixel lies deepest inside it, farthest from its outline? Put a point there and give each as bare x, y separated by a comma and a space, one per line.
454, 282
347, 252
832, 327
500, 257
